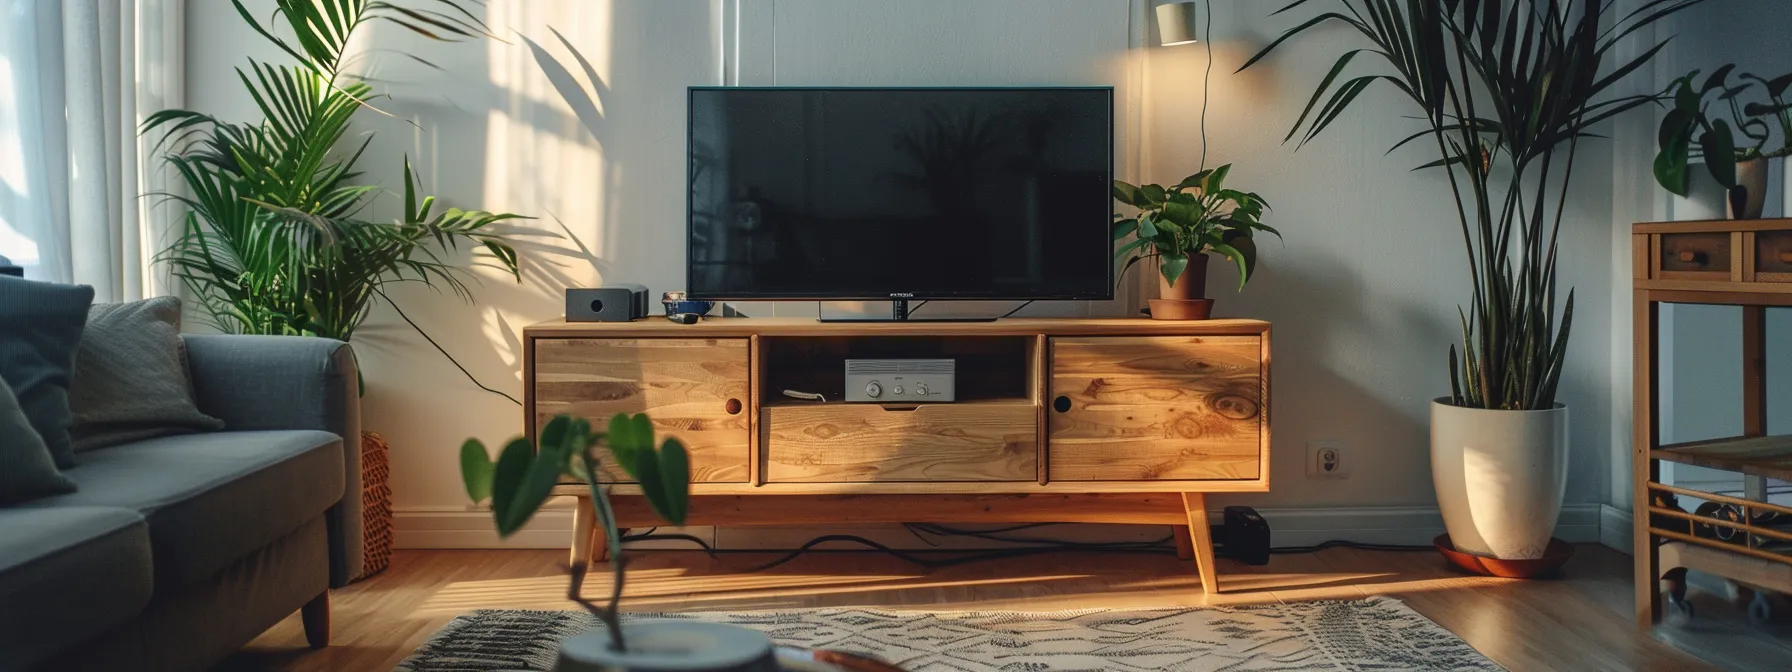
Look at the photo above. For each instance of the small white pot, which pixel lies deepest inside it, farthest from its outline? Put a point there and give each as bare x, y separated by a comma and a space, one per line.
670, 646
1500, 477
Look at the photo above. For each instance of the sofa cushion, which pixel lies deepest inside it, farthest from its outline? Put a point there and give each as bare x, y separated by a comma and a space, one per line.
26, 469
131, 381
40, 326
212, 498
68, 574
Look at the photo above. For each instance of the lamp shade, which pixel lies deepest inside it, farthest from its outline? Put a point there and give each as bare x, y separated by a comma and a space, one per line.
1176, 23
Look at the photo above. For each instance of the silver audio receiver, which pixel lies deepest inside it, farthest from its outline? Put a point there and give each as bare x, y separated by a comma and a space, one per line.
885, 381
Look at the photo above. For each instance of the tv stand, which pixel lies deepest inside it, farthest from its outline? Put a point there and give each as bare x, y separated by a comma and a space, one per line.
1057, 420
898, 313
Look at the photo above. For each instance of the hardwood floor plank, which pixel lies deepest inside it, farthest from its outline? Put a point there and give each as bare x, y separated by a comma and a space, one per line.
1580, 621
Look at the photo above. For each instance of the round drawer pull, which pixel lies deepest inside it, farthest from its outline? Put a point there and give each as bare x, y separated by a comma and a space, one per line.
733, 407
1061, 404
1692, 257
1786, 257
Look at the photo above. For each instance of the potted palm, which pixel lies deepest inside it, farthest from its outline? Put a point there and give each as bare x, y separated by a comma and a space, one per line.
1692, 130
523, 478
1508, 90
1179, 226
276, 239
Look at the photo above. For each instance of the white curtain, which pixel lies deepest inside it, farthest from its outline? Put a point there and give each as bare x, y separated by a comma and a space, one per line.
76, 79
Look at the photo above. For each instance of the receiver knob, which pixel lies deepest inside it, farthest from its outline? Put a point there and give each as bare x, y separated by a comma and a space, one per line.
921, 389
897, 390
873, 390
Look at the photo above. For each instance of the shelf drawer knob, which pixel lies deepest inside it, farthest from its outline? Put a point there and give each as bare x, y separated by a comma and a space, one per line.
1786, 257
733, 407
1061, 404
1692, 257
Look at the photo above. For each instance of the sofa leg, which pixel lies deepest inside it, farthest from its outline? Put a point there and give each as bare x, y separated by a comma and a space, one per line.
316, 616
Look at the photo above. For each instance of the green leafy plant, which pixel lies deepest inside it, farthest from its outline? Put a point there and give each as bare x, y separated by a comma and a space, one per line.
1691, 129
524, 476
1507, 90
276, 239
1194, 216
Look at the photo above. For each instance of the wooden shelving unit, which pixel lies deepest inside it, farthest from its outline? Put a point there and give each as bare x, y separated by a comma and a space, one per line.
1737, 263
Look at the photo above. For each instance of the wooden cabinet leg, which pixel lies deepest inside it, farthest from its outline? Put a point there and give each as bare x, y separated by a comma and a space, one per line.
1201, 538
600, 546
316, 617
584, 527
1185, 549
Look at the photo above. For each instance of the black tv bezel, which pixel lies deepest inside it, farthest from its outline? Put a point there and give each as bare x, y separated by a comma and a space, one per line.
1107, 293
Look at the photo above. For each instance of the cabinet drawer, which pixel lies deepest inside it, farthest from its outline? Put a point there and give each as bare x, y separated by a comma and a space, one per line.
695, 390
1155, 409
865, 443
1696, 254
1773, 256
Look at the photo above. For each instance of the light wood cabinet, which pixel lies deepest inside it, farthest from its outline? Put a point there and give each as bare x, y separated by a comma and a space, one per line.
1159, 408
1065, 420
694, 389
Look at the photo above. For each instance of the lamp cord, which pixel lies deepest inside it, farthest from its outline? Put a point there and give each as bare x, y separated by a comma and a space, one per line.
1206, 79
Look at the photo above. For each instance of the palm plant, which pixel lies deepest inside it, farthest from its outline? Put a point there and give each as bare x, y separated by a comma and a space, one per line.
276, 239
1508, 89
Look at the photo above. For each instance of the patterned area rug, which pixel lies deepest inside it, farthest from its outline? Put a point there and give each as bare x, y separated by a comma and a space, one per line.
1374, 634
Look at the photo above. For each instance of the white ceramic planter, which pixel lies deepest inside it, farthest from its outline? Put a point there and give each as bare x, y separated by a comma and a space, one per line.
1500, 477
670, 646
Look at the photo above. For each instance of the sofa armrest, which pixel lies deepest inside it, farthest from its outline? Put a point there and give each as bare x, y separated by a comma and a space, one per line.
290, 382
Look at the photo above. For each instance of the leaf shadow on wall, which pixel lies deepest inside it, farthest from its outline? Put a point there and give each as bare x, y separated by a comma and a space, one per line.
1337, 374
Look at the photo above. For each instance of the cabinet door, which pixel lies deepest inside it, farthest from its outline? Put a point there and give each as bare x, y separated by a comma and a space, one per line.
694, 389
1162, 408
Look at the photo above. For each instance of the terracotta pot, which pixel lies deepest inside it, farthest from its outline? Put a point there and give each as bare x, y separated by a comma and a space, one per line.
1191, 285
669, 646
1749, 197
1500, 477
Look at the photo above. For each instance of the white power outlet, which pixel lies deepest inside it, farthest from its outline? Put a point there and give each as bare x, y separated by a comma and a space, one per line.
1327, 459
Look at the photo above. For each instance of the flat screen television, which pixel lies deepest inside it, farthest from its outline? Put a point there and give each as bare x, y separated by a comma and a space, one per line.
801, 193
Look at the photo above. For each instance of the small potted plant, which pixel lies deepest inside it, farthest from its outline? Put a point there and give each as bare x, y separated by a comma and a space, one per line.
1691, 129
1179, 225
524, 477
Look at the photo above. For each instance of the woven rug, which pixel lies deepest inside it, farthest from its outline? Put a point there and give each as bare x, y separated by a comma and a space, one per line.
1374, 634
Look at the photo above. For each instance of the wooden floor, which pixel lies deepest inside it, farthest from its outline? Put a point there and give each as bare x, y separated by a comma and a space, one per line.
1580, 621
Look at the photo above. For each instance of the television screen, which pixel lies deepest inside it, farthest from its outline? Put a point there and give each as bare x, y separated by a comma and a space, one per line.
939, 193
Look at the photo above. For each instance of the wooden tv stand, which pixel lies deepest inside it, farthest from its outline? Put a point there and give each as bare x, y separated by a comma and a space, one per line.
1057, 420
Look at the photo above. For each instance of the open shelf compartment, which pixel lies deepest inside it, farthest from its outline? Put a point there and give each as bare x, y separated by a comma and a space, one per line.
989, 369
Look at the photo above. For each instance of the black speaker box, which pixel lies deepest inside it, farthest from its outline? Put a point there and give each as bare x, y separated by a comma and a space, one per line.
615, 303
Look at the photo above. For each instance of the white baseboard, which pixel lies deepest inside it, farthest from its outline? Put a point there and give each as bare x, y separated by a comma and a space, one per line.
1615, 528
447, 527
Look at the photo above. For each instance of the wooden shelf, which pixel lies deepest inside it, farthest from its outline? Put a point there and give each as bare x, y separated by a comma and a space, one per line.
1767, 456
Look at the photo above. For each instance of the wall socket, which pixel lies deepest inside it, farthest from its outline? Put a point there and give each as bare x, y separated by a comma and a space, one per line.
1327, 459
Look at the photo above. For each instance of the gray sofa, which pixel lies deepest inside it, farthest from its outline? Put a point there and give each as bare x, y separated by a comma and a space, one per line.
177, 551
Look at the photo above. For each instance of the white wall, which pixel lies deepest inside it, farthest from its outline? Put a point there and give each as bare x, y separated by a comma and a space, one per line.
1363, 294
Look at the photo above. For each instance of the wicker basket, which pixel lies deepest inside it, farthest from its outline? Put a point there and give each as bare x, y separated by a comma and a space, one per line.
376, 504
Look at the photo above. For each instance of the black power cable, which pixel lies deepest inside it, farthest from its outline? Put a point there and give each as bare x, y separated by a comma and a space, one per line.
1038, 546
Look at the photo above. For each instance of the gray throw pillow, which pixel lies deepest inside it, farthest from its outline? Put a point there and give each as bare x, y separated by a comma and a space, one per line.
26, 470
131, 381
40, 325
